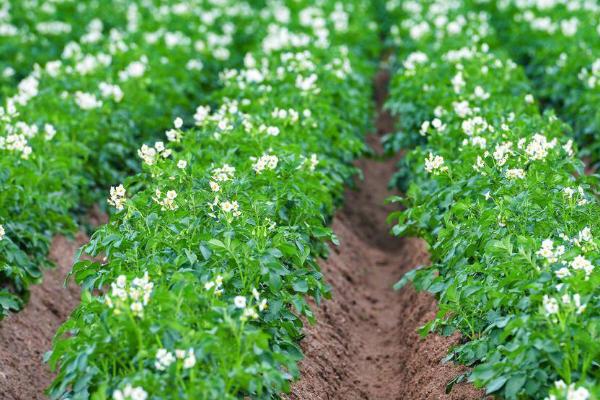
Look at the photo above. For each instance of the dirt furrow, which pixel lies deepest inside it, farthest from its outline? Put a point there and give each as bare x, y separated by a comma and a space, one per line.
26, 336
365, 343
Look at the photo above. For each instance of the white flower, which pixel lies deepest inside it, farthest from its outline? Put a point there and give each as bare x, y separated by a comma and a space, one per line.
568, 147
231, 207
585, 235
529, 99
272, 131
168, 203
108, 91
424, 128
239, 301
173, 135
313, 162
137, 308
580, 393
49, 131
415, 59
435, 164
214, 186
190, 360
560, 384
117, 197
563, 273
569, 192
2, 232
569, 28
201, 115
148, 154
580, 263
479, 164
515, 173
121, 281
539, 146
164, 358
307, 84
178, 123
262, 305
130, 393
182, 164
249, 313
265, 162
87, 101
134, 70
550, 305
223, 174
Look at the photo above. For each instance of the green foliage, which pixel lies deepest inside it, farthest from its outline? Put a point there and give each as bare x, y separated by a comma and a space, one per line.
511, 220
207, 266
71, 126
561, 57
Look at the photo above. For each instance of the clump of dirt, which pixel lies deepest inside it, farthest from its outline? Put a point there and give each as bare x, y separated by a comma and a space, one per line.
365, 343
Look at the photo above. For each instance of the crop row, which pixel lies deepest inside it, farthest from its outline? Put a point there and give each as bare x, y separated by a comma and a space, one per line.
562, 57
71, 126
36, 32
495, 189
213, 249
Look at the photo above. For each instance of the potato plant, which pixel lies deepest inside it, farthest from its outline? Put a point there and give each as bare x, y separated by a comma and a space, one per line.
211, 253
71, 126
495, 188
562, 57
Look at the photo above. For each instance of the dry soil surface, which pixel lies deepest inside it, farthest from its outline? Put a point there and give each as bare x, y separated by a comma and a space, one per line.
365, 343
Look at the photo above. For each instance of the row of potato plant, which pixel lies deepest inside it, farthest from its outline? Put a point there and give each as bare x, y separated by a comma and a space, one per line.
70, 128
214, 246
495, 189
562, 57
34, 31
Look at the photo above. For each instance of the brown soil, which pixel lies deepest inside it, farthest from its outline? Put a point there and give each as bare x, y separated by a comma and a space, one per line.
365, 343
26, 336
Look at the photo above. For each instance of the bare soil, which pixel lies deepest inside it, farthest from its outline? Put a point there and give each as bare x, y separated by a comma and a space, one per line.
365, 343
27, 335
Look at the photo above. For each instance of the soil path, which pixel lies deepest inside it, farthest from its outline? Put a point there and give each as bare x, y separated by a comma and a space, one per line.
26, 336
364, 344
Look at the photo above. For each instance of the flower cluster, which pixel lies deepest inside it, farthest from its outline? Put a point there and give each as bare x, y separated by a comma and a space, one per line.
249, 312
168, 201
130, 393
135, 295
151, 154
562, 391
264, 162
164, 358
117, 197
435, 164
